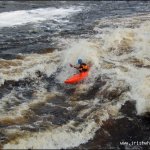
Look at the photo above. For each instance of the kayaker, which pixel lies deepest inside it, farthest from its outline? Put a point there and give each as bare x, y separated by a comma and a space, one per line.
83, 67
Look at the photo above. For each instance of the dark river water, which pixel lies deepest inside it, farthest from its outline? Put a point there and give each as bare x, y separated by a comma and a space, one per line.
109, 109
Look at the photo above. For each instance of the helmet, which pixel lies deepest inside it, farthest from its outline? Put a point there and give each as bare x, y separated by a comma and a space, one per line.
79, 61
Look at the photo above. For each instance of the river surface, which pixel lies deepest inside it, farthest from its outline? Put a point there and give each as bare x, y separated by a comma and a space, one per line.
38, 41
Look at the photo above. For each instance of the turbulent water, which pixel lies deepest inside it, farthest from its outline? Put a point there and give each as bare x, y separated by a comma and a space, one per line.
38, 41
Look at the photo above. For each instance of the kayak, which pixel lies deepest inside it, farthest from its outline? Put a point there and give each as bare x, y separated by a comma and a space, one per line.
76, 78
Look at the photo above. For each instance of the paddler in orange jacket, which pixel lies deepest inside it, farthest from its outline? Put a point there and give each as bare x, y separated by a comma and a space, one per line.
82, 66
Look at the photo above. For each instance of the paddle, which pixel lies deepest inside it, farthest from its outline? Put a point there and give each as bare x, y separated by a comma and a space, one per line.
73, 66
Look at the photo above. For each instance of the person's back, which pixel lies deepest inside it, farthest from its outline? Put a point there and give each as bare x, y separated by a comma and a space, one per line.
83, 67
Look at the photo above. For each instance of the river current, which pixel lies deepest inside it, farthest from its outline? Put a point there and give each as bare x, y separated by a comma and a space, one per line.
38, 41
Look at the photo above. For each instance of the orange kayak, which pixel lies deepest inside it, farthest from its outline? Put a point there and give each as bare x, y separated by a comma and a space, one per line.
76, 78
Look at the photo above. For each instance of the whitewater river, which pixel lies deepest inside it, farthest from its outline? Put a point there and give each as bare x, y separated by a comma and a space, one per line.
38, 41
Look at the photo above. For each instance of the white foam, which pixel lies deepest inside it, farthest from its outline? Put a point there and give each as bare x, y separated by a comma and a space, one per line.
99, 53
29, 65
20, 17
136, 78
61, 137
112, 47
78, 49
18, 111
66, 136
